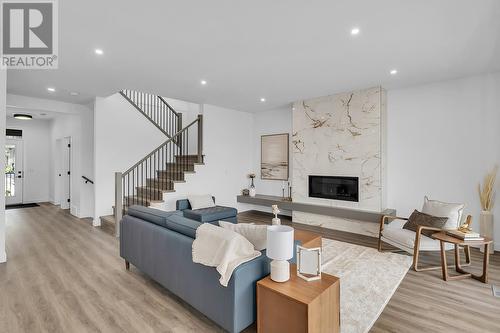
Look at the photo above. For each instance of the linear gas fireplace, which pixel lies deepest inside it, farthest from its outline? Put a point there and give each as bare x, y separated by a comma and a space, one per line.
333, 187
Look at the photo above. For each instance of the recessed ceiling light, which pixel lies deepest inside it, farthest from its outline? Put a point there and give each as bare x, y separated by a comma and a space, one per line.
74, 93
262, 99
51, 90
99, 51
203, 82
355, 31
43, 114
22, 116
394, 71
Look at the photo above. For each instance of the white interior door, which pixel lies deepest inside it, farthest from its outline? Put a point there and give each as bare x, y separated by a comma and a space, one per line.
65, 173
14, 171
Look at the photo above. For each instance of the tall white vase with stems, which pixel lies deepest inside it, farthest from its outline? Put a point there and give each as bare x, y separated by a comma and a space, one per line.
486, 227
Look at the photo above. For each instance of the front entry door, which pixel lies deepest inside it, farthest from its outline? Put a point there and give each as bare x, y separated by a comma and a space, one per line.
13, 172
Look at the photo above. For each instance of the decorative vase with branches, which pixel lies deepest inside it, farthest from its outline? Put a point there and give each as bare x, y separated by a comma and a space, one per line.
487, 199
252, 190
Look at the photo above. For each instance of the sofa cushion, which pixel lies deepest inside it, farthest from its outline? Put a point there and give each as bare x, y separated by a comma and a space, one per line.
211, 214
256, 234
201, 201
152, 215
184, 204
182, 225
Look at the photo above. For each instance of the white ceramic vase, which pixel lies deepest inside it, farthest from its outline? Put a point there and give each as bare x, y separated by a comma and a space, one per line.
252, 191
276, 221
486, 228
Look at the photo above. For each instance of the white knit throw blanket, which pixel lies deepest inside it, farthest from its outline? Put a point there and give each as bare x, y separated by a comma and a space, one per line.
221, 248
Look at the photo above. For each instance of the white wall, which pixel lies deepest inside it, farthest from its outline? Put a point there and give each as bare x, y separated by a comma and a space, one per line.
69, 126
122, 136
67, 120
442, 138
274, 121
3, 87
36, 159
228, 149
87, 163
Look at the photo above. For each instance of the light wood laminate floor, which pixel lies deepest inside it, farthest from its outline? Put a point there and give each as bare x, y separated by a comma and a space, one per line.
63, 275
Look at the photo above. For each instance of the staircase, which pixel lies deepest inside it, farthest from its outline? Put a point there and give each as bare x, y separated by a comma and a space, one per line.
149, 179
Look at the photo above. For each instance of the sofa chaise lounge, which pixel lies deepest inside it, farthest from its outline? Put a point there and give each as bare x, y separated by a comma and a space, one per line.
207, 215
159, 244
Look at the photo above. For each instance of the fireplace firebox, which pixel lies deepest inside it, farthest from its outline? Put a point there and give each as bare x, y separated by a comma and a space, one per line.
334, 187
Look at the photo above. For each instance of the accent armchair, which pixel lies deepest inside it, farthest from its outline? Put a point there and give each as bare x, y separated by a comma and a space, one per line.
392, 232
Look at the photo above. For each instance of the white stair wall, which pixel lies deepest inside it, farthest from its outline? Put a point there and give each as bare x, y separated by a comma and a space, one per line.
228, 150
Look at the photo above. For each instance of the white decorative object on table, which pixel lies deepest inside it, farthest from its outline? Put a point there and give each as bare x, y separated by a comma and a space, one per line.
276, 211
280, 249
487, 197
252, 190
309, 263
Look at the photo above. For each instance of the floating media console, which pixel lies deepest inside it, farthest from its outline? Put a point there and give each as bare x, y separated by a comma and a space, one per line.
346, 213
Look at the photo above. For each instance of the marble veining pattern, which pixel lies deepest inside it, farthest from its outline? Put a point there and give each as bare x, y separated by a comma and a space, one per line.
340, 135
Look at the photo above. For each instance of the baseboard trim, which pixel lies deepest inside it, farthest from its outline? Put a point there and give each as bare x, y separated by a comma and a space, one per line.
96, 222
3, 257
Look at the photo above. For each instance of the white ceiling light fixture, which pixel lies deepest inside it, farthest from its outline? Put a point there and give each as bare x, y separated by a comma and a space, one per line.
99, 51
355, 31
262, 99
393, 71
51, 90
203, 82
23, 116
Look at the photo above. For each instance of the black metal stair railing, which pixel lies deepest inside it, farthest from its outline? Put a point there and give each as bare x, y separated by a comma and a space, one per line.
156, 110
147, 180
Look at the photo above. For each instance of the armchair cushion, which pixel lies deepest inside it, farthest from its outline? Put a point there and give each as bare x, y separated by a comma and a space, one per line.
405, 239
452, 211
421, 219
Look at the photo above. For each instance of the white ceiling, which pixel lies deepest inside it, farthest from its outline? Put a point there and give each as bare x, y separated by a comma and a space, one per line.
283, 50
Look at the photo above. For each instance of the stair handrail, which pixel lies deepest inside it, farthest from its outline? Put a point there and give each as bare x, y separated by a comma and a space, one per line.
180, 143
161, 146
165, 102
138, 99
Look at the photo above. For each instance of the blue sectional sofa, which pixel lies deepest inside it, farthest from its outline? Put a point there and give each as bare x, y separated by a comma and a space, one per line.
207, 215
159, 244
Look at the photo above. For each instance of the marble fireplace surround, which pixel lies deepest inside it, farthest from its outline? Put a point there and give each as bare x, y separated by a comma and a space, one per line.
341, 135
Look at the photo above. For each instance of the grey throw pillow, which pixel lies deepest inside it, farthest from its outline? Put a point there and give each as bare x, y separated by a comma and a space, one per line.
417, 219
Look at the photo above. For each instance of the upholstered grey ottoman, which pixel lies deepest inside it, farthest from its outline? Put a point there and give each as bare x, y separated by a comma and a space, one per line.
207, 215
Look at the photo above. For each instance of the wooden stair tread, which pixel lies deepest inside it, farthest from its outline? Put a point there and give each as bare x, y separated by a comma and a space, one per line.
149, 188
141, 198
110, 219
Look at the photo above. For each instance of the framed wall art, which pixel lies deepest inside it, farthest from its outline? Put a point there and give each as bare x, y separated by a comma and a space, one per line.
274, 156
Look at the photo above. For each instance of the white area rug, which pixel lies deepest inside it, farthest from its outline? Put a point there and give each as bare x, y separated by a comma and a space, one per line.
368, 279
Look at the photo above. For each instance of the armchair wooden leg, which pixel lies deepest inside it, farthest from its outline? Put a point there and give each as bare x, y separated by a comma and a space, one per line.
416, 257
379, 244
127, 265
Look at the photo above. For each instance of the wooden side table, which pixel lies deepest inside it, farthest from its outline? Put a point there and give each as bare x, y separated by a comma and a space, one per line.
444, 238
308, 239
298, 306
